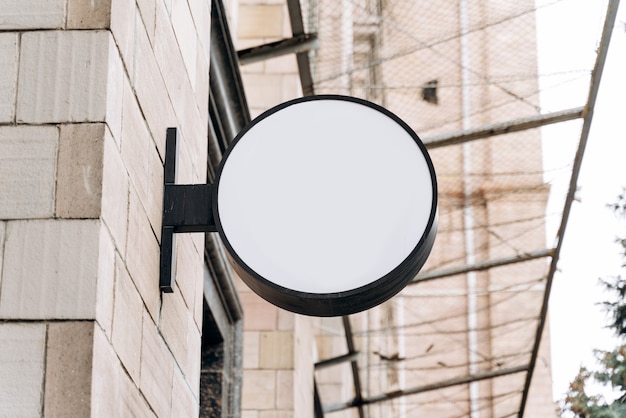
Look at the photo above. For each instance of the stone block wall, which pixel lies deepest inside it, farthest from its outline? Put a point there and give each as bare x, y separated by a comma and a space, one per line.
278, 345
273, 81
278, 360
87, 90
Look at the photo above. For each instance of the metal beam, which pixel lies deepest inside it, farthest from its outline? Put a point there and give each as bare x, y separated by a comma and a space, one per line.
358, 395
594, 86
228, 113
501, 128
337, 360
427, 388
318, 412
482, 265
304, 66
299, 43
225, 79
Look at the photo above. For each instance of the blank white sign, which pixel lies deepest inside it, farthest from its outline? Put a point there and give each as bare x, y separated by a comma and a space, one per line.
324, 196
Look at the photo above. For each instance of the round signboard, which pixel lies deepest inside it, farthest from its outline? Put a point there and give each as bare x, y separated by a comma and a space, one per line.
327, 205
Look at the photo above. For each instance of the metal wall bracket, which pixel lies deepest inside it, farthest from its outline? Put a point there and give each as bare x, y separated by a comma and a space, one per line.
186, 208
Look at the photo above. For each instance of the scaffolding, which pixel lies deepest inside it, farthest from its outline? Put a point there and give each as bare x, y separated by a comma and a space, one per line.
465, 337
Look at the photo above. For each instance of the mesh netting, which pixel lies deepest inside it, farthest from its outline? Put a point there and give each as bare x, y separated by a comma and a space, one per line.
446, 67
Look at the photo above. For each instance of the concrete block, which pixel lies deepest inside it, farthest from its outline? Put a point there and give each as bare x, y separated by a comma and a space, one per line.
189, 106
168, 6
127, 322
291, 87
260, 314
3, 227
106, 281
185, 32
133, 404
105, 390
191, 369
304, 357
189, 270
68, 369
115, 190
202, 75
255, 2
194, 126
286, 64
32, 14
184, 402
157, 369
123, 28
151, 91
8, 75
147, 10
259, 389
135, 141
142, 159
88, 14
169, 57
174, 325
198, 309
260, 21
276, 350
182, 337
263, 90
28, 164
21, 368
201, 13
286, 320
153, 202
190, 274
79, 171
240, 285
50, 269
277, 414
251, 341
116, 82
256, 111
143, 256
189, 156
284, 389
254, 68
63, 76
113, 394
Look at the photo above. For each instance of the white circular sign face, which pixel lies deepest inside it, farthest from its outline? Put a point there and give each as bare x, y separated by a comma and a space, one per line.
325, 194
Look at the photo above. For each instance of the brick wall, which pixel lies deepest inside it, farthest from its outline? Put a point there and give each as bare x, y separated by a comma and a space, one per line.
87, 90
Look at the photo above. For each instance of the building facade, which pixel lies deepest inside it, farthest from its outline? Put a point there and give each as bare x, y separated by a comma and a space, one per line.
460, 344
87, 92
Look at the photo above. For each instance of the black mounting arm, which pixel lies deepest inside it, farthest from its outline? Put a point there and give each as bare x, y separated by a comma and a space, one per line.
186, 208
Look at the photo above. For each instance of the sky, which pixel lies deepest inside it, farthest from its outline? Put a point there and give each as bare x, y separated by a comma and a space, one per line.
577, 322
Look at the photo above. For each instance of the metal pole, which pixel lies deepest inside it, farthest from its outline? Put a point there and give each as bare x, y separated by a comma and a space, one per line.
501, 128
298, 44
353, 364
482, 265
596, 77
304, 65
336, 360
427, 388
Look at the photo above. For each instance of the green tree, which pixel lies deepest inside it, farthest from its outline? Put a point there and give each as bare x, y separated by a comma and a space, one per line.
612, 364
